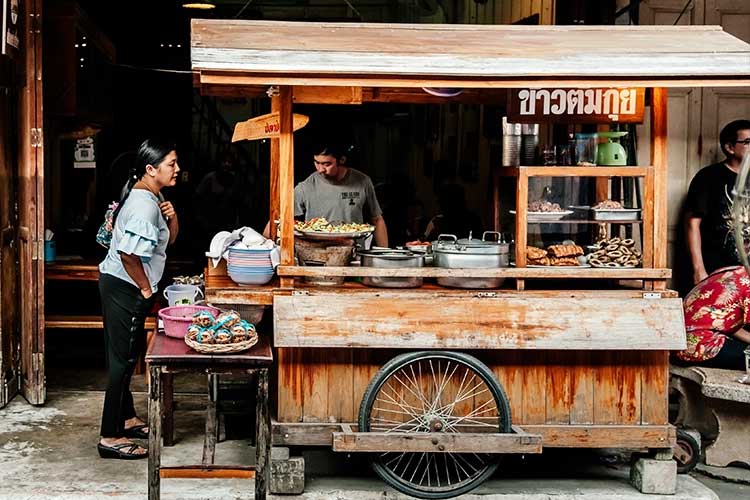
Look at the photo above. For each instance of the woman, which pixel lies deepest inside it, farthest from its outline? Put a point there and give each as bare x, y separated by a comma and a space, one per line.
717, 311
144, 224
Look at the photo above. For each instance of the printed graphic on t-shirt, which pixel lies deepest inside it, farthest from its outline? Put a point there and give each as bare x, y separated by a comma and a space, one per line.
351, 196
726, 225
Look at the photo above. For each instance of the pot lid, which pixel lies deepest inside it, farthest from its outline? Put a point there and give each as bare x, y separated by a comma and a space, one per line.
449, 243
388, 253
485, 241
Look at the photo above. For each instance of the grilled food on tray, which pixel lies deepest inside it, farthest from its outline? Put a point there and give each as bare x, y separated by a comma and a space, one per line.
554, 255
321, 225
608, 205
544, 206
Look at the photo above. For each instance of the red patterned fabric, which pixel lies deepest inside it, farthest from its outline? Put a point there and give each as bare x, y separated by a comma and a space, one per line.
718, 306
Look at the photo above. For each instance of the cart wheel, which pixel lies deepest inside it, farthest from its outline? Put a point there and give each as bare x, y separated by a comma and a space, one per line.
686, 452
434, 392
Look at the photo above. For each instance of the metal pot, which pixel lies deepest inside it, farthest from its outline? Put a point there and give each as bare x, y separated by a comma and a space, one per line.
452, 253
390, 259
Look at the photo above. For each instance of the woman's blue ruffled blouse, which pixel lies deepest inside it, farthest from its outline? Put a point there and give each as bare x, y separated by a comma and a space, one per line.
140, 229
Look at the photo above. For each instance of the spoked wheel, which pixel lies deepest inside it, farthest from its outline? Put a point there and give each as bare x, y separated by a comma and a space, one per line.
446, 392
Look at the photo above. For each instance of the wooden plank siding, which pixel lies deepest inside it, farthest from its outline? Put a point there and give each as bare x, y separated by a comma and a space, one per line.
543, 387
418, 320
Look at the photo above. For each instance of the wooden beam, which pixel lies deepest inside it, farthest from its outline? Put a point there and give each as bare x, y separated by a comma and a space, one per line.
436, 442
553, 436
347, 320
286, 180
661, 172
559, 272
207, 472
274, 175
327, 95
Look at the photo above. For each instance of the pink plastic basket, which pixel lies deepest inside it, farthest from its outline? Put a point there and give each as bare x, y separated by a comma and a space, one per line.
178, 318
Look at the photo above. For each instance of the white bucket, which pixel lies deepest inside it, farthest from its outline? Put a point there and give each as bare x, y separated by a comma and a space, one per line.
182, 294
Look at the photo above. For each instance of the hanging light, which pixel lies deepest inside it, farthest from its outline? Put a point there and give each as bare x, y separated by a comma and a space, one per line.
199, 5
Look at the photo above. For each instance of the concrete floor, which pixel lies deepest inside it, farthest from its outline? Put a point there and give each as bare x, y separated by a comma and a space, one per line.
49, 453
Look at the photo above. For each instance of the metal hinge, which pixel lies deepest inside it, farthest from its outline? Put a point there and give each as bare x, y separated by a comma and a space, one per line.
273, 91
486, 295
35, 250
651, 295
36, 137
300, 292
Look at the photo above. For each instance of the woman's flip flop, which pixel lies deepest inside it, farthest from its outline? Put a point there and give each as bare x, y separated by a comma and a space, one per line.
137, 432
122, 451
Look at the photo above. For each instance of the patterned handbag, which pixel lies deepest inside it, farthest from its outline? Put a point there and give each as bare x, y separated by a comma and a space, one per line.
104, 234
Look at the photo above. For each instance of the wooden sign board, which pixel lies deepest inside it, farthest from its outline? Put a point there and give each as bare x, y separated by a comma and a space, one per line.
264, 127
594, 105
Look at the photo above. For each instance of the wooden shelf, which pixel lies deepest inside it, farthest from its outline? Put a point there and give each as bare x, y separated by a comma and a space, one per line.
574, 171
587, 221
222, 290
503, 272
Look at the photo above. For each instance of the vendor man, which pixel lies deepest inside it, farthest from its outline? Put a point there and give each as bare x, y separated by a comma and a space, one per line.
338, 193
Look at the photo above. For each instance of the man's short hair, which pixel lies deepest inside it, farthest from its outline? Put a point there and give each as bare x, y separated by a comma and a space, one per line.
729, 133
329, 149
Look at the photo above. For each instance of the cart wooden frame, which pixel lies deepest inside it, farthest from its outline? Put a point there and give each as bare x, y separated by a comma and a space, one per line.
581, 368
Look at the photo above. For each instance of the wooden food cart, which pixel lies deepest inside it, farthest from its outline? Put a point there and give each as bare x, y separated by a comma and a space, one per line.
374, 370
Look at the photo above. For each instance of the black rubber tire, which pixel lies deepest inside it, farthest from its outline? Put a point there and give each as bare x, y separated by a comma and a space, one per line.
687, 442
392, 367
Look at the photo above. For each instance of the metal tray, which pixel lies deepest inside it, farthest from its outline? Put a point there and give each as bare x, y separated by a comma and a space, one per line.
320, 235
544, 216
616, 214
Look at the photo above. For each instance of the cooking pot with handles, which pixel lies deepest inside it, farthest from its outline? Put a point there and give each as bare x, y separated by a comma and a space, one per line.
469, 253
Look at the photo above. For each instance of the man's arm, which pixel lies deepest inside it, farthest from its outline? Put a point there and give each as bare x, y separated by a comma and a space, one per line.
381, 233
693, 231
742, 335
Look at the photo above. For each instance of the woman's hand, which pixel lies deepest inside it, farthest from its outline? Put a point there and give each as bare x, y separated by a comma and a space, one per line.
167, 210
147, 293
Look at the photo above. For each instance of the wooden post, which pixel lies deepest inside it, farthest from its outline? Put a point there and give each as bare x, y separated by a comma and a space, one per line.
154, 432
262, 437
286, 180
209, 439
274, 176
659, 161
167, 408
522, 225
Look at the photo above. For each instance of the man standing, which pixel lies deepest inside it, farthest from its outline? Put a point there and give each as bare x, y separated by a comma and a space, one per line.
710, 236
338, 193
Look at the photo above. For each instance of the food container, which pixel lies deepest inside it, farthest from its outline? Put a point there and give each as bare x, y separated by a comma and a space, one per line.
615, 214
469, 253
390, 259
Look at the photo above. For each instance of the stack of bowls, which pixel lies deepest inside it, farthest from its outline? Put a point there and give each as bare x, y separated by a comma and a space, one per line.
249, 266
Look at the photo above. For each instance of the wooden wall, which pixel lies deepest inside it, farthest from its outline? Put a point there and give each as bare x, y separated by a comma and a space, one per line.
507, 11
544, 387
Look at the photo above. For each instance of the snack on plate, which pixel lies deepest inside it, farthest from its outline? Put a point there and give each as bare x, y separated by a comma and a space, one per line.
206, 337
321, 225
564, 261
544, 261
535, 253
608, 205
227, 319
223, 336
203, 318
544, 206
615, 252
193, 331
565, 251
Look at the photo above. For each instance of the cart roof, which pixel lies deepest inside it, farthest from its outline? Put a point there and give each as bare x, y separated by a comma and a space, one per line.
236, 52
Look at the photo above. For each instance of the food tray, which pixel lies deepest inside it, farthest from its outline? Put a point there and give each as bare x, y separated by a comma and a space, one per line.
616, 214
319, 235
544, 216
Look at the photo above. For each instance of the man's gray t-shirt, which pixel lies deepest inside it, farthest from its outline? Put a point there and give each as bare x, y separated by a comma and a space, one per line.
350, 200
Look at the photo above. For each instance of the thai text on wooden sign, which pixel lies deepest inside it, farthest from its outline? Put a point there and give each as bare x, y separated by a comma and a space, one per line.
264, 127
600, 105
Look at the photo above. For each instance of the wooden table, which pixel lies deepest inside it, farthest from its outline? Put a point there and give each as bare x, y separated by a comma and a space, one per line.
166, 356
